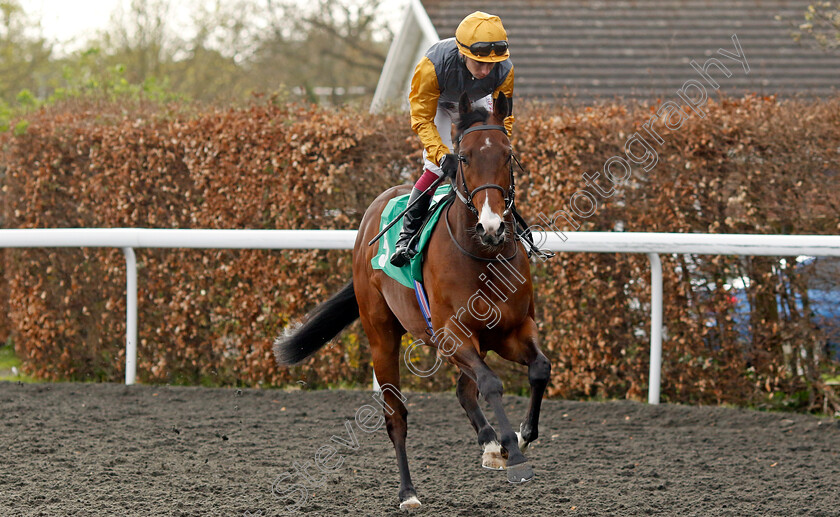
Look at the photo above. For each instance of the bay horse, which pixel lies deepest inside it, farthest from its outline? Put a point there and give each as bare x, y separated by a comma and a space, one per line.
481, 298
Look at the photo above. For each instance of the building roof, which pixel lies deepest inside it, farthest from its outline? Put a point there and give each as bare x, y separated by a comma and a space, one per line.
642, 48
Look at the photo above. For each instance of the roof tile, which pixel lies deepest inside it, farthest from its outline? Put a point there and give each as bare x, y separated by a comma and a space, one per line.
642, 48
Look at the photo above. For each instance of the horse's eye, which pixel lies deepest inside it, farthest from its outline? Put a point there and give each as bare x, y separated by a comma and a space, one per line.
464, 159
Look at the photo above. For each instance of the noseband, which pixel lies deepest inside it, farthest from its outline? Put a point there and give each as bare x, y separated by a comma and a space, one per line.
468, 198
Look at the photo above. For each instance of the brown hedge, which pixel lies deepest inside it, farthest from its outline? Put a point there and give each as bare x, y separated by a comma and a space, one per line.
752, 165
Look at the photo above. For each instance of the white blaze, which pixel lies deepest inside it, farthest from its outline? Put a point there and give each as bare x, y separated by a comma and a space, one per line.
489, 219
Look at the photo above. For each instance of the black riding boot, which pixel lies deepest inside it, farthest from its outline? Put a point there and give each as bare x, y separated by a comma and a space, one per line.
412, 222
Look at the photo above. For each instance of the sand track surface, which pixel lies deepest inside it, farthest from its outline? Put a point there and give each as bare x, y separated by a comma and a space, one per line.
109, 449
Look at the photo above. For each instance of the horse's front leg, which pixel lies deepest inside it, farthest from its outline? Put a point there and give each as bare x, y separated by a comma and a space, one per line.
490, 386
467, 392
539, 373
522, 347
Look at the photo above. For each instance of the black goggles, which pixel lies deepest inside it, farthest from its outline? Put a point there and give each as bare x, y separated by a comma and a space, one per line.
485, 48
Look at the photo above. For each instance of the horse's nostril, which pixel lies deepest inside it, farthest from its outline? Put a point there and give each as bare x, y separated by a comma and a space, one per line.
479, 229
492, 240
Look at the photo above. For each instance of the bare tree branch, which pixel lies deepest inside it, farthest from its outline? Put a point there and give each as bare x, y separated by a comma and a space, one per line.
380, 57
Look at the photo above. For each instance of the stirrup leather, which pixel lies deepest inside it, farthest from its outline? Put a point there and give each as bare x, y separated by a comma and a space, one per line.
527, 238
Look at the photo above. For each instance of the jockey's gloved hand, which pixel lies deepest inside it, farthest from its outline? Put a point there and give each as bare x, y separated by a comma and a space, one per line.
449, 165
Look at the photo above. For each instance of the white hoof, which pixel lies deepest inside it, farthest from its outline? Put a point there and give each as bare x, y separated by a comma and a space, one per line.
492, 458
411, 502
523, 445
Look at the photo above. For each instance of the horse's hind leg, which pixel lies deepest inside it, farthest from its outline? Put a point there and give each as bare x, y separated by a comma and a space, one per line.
467, 391
384, 332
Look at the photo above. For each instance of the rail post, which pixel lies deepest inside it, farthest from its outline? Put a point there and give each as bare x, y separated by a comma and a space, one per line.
655, 328
130, 315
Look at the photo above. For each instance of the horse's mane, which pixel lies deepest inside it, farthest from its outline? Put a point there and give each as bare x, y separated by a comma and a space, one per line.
468, 119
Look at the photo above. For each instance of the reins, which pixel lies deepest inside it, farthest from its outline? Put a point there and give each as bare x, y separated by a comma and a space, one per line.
467, 253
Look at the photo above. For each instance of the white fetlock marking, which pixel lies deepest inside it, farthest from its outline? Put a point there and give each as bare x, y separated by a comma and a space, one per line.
493, 447
492, 458
522, 444
411, 502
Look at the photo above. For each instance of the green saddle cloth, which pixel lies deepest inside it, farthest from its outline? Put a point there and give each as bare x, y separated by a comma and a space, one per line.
387, 243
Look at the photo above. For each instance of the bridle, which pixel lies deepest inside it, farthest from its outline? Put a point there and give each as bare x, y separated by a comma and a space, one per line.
468, 195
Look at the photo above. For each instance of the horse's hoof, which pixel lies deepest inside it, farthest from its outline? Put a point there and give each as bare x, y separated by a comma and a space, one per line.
523, 445
492, 458
411, 502
520, 473
493, 461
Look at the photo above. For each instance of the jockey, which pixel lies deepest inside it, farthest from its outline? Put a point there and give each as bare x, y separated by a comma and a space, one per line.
474, 61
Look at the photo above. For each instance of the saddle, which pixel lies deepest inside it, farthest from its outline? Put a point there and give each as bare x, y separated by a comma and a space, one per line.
407, 276
387, 243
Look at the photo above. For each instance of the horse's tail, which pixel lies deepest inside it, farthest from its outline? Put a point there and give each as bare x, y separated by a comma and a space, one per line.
322, 324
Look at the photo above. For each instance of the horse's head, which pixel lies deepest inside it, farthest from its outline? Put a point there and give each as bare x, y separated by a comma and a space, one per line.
484, 181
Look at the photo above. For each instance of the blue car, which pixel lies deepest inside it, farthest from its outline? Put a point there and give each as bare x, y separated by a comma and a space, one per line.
823, 296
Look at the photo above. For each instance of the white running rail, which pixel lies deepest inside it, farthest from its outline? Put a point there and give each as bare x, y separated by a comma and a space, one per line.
651, 244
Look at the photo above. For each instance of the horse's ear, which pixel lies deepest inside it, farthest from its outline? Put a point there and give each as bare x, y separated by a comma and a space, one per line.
501, 107
464, 104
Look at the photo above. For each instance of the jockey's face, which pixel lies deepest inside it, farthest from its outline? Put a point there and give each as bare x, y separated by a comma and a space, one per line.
478, 69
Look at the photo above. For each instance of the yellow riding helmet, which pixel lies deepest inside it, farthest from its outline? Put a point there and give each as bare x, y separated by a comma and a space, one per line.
482, 37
